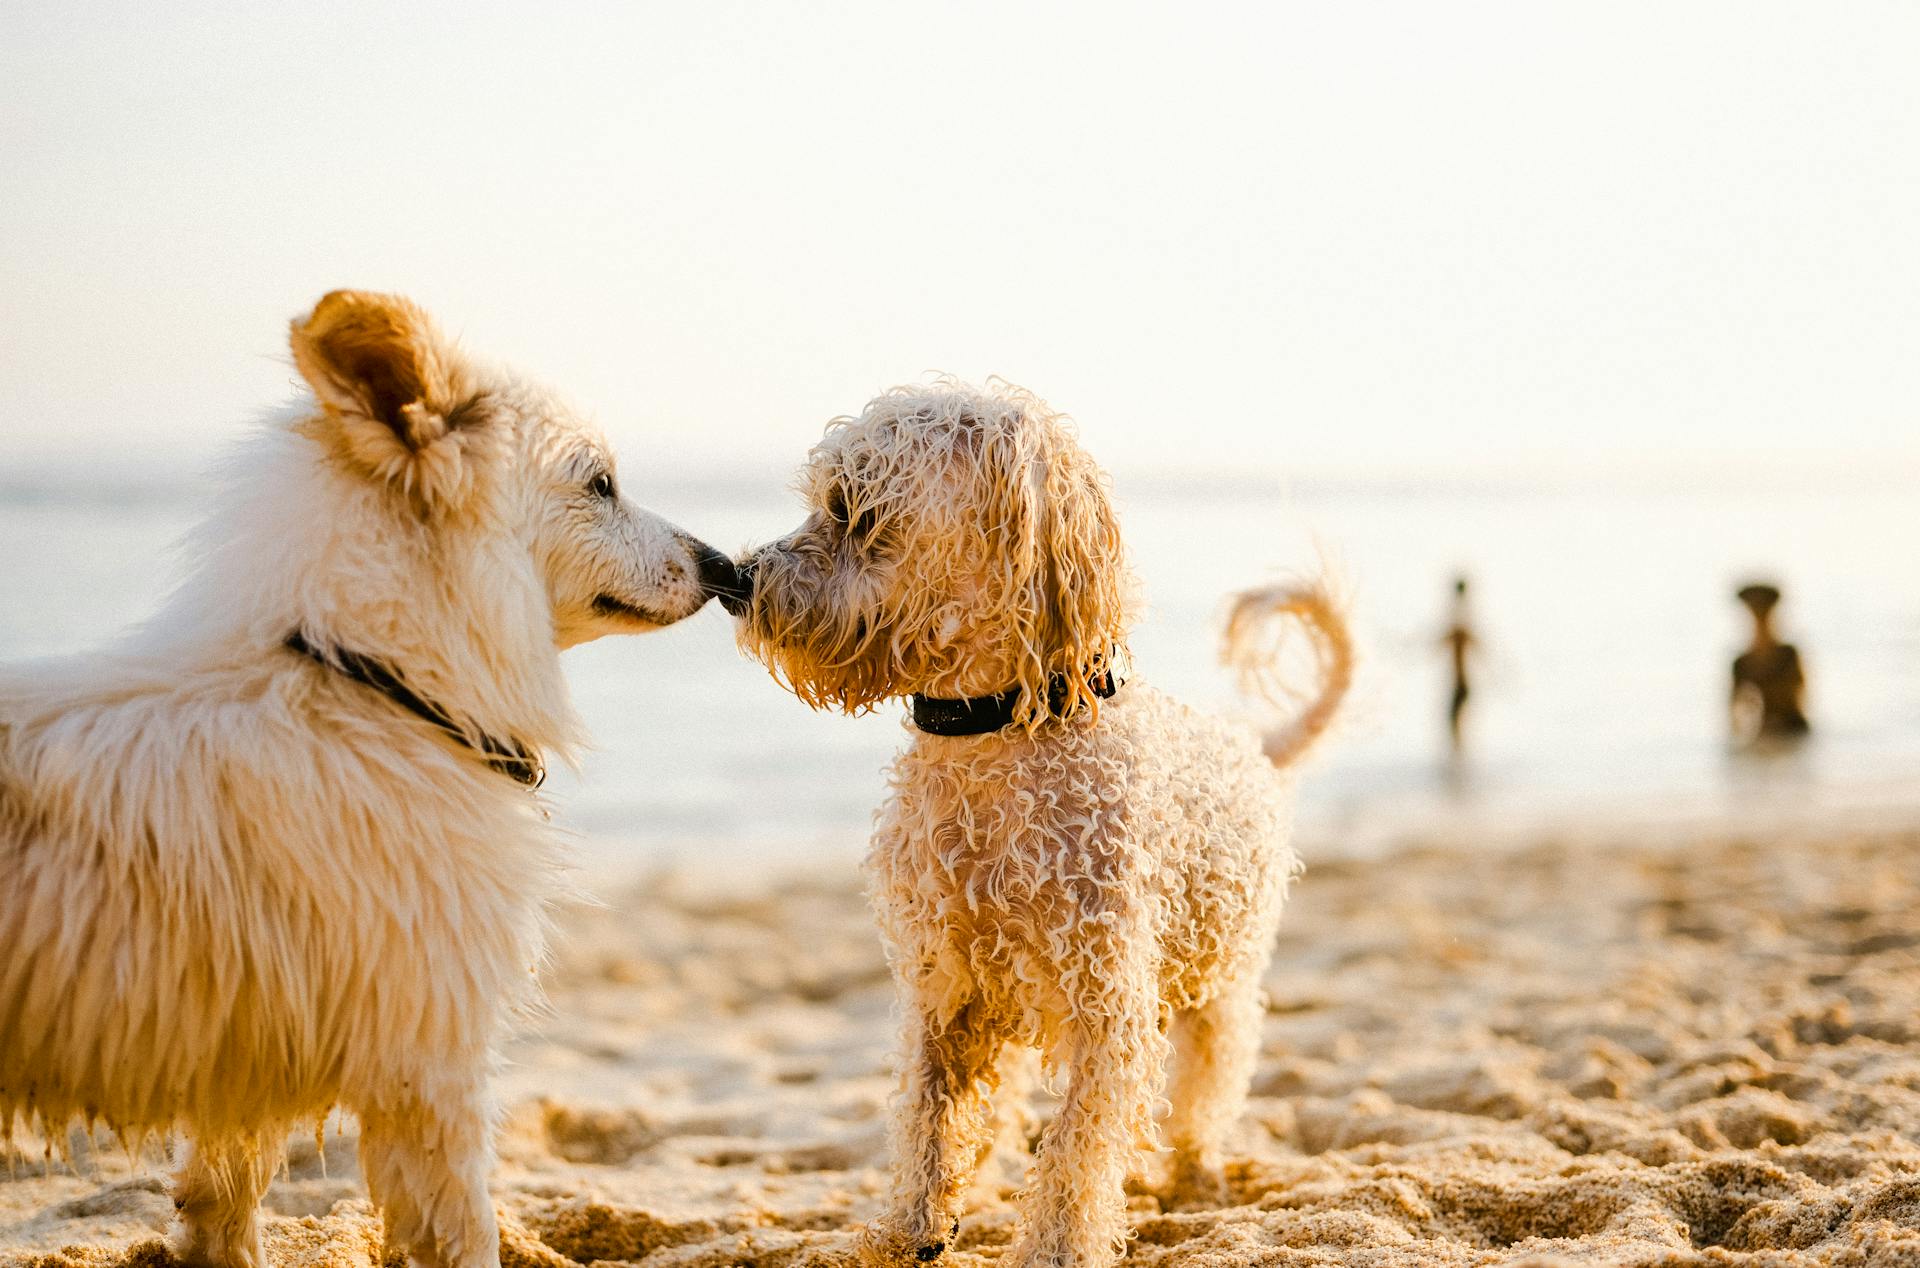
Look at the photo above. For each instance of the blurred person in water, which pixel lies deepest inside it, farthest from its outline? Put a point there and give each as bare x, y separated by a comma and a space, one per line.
1769, 685
1459, 640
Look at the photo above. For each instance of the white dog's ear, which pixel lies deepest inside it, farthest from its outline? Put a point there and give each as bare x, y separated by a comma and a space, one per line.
390, 393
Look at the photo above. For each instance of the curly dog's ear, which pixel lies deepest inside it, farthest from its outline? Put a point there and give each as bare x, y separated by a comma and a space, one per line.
392, 401
1074, 590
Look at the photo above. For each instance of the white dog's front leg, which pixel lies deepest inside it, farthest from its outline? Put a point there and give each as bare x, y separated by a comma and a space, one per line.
941, 1134
217, 1192
426, 1157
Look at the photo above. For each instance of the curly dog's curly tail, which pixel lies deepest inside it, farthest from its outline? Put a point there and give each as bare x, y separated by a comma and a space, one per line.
1255, 628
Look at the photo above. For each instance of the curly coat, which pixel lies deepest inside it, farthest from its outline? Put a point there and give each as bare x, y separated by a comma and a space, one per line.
1100, 880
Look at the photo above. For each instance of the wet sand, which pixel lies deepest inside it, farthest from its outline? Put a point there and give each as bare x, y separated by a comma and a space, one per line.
1599, 1053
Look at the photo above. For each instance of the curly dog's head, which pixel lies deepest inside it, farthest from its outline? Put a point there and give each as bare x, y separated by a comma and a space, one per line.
960, 542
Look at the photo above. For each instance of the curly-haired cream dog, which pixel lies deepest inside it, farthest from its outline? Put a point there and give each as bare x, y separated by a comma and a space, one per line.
1066, 861
281, 851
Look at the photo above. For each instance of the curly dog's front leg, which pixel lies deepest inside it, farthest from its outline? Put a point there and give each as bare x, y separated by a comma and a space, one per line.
941, 1134
1075, 1212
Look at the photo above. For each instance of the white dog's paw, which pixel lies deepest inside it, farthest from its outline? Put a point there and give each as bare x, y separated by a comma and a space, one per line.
217, 1245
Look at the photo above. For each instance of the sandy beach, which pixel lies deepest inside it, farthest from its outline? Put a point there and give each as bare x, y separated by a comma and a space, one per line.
1705, 1052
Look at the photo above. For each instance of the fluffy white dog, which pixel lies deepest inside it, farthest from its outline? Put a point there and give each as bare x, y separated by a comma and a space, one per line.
282, 852
1066, 861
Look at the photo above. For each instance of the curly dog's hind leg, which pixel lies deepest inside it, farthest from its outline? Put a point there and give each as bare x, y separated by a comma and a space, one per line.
1214, 1050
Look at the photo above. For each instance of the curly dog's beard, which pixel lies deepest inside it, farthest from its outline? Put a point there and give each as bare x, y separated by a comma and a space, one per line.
827, 649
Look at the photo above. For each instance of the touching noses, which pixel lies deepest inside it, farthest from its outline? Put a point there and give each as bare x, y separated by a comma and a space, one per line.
737, 597
718, 577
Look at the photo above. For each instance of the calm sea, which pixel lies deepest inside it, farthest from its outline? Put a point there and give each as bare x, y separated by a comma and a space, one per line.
1604, 607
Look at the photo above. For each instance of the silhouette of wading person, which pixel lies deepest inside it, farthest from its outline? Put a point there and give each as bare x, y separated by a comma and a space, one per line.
1458, 641
1769, 685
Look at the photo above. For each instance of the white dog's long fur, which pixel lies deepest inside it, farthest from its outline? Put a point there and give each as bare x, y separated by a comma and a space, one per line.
241, 887
1102, 885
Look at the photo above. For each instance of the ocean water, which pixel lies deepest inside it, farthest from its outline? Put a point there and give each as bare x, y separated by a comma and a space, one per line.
1604, 607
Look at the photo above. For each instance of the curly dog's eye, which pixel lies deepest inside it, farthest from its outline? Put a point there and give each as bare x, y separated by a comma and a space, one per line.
858, 525
601, 486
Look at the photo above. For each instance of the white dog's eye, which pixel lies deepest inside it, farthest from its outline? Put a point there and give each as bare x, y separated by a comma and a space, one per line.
601, 486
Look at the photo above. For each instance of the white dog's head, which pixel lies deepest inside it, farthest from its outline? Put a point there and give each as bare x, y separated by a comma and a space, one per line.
474, 460
960, 543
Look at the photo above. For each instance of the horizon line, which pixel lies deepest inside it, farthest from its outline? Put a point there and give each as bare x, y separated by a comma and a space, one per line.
153, 477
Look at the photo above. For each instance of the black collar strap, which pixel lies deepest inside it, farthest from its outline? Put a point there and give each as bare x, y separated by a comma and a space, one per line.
979, 715
509, 757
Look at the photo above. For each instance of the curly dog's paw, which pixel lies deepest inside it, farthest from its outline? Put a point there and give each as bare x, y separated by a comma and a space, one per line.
885, 1244
933, 1250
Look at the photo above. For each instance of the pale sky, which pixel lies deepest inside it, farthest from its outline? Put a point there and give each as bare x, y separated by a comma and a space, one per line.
1273, 237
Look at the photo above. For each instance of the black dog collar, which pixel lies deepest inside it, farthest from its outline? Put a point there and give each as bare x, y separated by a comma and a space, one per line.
978, 715
509, 757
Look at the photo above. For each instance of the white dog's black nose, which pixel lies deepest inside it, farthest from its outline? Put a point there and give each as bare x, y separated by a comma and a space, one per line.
719, 578
736, 598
